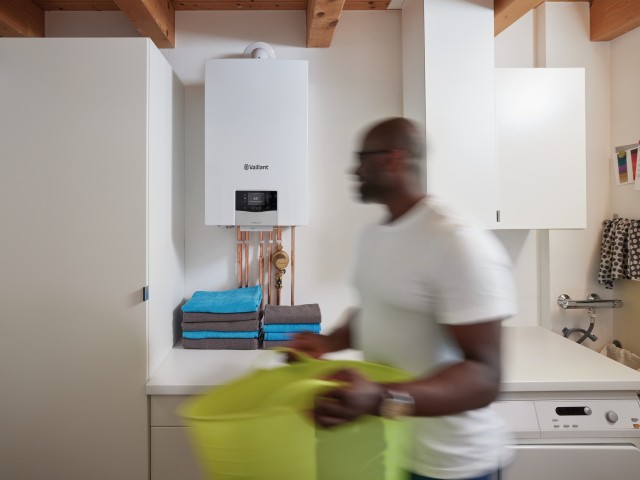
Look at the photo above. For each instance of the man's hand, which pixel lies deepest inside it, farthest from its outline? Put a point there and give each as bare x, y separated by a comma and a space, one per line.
313, 344
345, 404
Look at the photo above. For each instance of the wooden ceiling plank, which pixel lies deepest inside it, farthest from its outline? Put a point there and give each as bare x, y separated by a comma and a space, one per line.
155, 19
77, 5
506, 12
21, 18
240, 5
322, 18
366, 4
611, 18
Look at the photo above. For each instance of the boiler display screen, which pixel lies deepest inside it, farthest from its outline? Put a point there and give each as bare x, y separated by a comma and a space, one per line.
256, 198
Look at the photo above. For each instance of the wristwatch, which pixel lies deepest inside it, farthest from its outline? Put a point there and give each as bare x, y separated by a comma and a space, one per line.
397, 404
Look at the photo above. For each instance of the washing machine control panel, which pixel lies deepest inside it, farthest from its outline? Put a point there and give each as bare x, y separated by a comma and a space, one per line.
587, 417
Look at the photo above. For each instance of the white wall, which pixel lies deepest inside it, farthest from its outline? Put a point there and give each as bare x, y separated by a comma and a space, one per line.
557, 35
574, 256
625, 200
356, 80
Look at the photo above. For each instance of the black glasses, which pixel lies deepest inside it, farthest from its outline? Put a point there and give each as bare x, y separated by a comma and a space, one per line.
365, 153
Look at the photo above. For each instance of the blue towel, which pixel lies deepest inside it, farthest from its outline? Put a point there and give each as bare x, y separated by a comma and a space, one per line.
215, 334
292, 327
228, 301
277, 336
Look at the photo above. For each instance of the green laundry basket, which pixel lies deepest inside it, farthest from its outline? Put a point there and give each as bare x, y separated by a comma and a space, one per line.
258, 428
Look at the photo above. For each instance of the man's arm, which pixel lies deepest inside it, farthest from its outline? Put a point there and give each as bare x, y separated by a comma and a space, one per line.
317, 345
471, 383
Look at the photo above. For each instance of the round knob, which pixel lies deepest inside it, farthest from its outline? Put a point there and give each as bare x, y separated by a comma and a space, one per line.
587, 411
280, 259
611, 416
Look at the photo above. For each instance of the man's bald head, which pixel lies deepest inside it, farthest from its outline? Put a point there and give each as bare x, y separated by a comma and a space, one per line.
397, 133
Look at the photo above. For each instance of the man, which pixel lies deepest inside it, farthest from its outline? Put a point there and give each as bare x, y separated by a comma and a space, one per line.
433, 290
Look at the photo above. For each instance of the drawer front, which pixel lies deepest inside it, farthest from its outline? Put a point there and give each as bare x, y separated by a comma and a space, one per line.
171, 455
163, 410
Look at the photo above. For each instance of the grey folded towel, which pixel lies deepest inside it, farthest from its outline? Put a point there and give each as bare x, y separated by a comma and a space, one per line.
221, 343
309, 313
194, 317
235, 326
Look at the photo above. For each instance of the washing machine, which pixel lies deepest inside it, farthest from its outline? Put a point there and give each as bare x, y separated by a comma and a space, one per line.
574, 414
573, 436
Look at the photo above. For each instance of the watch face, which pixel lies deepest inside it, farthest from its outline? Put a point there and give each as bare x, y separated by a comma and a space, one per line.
397, 405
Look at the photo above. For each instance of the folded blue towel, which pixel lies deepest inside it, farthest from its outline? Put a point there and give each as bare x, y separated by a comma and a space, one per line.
228, 301
292, 327
215, 334
270, 336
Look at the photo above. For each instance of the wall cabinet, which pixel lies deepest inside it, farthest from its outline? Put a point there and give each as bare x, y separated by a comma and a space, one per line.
508, 167
91, 184
541, 148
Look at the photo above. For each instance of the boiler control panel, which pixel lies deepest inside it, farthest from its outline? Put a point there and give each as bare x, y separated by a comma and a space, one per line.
256, 208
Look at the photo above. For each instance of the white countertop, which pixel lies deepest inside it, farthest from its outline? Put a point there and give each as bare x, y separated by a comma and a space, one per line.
538, 360
534, 360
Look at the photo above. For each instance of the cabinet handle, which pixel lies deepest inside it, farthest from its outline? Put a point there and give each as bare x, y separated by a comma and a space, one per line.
145, 293
498, 216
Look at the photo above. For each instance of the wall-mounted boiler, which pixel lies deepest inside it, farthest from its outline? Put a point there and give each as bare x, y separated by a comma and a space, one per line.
256, 137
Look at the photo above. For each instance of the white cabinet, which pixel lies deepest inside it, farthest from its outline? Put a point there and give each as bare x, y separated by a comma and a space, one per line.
509, 168
172, 456
541, 148
91, 210
448, 85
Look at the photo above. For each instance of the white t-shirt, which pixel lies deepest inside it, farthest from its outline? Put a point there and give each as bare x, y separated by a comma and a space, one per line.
416, 275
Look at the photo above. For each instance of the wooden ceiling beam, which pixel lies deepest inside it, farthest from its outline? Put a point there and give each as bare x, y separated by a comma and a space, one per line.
506, 12
155, 19
322, 18
611, 18
21, 18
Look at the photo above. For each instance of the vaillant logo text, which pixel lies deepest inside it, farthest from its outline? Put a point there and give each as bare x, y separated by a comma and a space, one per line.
248, 166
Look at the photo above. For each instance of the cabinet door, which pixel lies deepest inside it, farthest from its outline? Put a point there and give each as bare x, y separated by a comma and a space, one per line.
172, 457
565, 462
73, 358
451, 92
541, 147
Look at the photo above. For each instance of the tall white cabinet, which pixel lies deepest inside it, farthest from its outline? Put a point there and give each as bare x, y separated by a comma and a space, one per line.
91, 206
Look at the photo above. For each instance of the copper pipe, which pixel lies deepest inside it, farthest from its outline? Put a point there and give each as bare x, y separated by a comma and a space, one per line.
269, 259
246, 258
293, 259
261, 269
278, 290
239, 255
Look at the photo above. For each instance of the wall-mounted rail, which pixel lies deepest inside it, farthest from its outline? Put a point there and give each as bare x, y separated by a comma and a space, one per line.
592, 301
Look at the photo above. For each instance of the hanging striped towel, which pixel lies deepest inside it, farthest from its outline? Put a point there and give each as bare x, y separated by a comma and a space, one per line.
619, 251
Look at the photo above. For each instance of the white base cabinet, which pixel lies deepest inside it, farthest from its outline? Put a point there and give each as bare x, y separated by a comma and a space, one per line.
91, 211
172, 457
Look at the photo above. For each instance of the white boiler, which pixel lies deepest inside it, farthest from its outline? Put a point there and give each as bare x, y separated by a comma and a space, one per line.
256, 159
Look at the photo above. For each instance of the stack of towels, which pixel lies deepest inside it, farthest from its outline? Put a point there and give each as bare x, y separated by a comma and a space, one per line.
281, 321
226, 320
